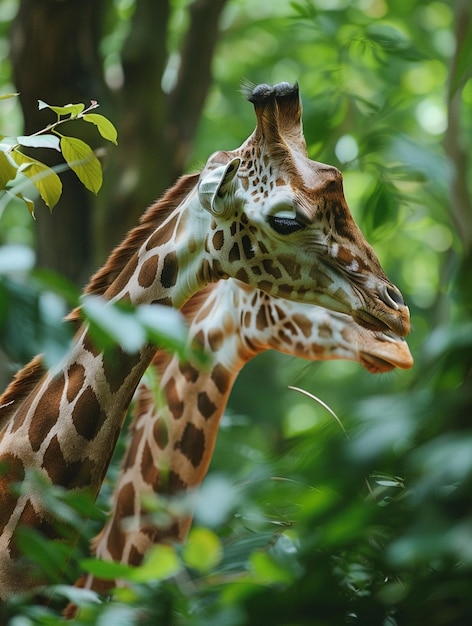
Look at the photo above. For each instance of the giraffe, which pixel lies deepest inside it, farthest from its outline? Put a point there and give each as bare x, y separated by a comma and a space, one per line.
263, 213
173, 435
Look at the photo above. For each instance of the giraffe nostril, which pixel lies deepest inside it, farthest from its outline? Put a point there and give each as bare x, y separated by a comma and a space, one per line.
392, 297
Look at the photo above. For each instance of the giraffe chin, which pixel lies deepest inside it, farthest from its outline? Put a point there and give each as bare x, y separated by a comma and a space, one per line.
378, 364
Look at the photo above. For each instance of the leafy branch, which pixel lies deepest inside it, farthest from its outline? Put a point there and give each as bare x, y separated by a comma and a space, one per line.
78, 155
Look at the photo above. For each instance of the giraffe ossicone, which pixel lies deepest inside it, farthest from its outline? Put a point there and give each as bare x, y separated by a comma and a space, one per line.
264, 214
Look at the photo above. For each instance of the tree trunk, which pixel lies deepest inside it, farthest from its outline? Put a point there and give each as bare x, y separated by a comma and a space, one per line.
54, 50
54, 53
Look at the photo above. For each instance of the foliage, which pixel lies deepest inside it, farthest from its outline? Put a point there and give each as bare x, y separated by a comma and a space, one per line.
308, 524
77, 154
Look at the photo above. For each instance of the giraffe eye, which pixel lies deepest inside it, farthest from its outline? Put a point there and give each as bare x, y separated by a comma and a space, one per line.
284, 225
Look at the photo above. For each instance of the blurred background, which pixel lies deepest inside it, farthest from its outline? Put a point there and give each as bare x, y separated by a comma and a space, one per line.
387, 98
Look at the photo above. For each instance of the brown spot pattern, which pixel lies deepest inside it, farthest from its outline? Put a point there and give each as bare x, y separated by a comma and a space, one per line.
163, 234
169, 270
192, 444
247, 247
133, 447
271, 269
148, 272
47, 412
161, 433
69, 475
76, 380
221, 377
261, 318
205, 405
117, 364
218, 240
325, 331
176, 406
242, 275
12, 471
215, 339
291, 268
87, 415
124, 508
304, 324
189, 372
149, 470
234, 253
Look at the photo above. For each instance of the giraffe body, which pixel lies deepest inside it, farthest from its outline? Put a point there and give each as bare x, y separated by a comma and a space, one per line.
264, 214
172, 442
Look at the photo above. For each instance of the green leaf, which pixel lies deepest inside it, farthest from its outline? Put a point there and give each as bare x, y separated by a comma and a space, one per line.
104, 126
39, 141
69, 109
164, 326
108, 570
46, 181
6, 96
203, 550
267, 570
7, 170
29, 203
118, 325
83, 162
161, 562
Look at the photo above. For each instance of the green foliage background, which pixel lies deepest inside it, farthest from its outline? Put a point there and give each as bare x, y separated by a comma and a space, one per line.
310, 525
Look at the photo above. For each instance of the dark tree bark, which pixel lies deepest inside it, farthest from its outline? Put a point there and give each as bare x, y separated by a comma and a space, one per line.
54, 53
54, 50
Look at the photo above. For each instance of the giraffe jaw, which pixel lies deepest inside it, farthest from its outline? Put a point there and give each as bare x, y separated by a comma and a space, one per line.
392, 353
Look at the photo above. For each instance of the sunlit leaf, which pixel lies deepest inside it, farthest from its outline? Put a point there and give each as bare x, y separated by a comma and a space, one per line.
83, 162
122, 327
202, 550
164, 326
29, 203
6, 96
40, 141
267, 570
104, 126
75, 595
161, 562
69, 109
46, 181
7, 170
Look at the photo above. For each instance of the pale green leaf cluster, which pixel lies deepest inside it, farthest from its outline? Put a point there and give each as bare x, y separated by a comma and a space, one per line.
78, 155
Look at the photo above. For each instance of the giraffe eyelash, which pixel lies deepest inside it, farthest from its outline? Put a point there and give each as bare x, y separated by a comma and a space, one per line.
284, 225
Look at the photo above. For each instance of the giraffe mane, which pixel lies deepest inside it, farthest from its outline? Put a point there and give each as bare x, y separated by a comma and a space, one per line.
20, 387
148, 222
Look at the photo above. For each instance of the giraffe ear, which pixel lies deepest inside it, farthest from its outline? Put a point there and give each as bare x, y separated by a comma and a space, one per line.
213, 188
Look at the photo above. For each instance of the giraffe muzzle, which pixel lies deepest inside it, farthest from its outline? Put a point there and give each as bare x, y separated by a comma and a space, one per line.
393, 319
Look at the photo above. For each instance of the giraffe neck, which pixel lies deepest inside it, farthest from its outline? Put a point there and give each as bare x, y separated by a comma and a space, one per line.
174, 433
66, 424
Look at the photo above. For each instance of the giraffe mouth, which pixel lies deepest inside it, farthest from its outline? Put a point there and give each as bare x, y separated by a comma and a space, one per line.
375, 364
392, 353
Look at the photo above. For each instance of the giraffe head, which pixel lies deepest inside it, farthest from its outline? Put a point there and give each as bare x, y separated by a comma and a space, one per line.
281, 222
